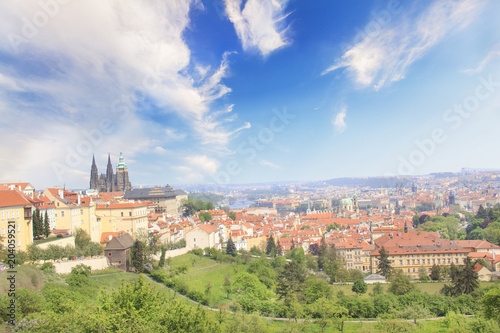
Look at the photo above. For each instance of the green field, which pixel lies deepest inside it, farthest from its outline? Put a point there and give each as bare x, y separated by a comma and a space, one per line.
202, 271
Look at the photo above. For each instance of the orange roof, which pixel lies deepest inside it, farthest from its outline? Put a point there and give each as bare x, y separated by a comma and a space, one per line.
107, 236
13, 198
208, 228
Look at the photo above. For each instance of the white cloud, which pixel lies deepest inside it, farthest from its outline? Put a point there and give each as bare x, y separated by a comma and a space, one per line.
339, 121
492, 55
269, 164
98, 60
260, 24
203, 163
384, 56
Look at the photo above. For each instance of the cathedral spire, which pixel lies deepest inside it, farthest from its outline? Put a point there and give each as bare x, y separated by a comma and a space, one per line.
94, 175
110, 177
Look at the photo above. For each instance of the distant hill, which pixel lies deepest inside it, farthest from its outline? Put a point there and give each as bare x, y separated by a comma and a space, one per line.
376, 182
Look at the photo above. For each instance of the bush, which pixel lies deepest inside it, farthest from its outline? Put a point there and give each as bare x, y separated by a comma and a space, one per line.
198, 252
48, 268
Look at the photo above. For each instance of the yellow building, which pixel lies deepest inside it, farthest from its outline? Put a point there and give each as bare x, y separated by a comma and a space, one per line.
412, 250
15, 219
69, 215
128, 217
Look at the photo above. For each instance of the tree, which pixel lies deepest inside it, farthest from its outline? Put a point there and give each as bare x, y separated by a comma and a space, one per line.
137, 254
270, 245
205, 217
360, 287
230, 247
491, 304
481, 213
162, 256
322, 253
37, 224
291, 279
436, 273
384, 263
46, 228
232, 215
378, 289
400, 284
279, 249
227, 285
82, 238
422, 274
327, 311
188, 208
468, 278
313, 249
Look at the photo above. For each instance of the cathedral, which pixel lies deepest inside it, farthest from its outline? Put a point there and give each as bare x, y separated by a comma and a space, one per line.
110, 182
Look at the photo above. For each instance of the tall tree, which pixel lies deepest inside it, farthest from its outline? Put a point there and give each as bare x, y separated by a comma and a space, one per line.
279, 249
322, 253
230, 247
384, 263
270, 246
37, 224
468, 278
162, 256
481, 213
137, 254
291, 280
46, 227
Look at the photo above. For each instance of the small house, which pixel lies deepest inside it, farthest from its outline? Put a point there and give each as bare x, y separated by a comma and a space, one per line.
118, 251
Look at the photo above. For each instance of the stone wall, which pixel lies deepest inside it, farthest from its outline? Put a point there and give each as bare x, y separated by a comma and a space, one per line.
96, 264
59, 242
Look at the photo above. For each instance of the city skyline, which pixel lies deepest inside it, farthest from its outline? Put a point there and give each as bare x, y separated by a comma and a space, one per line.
259, 91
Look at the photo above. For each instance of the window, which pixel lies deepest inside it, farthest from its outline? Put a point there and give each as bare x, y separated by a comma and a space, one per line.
109, 254
401, 262
18, 243
17, 213
2, 216
7, 214
18, 228
129, 213
3, 230
122, 214
62, 213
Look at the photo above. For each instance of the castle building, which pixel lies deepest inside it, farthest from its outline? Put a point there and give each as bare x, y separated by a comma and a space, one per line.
110, 182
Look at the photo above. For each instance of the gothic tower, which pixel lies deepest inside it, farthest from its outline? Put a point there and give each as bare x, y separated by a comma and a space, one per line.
94, 176
122, 181
110, 177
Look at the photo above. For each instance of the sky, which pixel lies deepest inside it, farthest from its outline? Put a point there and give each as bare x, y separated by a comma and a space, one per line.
234, 91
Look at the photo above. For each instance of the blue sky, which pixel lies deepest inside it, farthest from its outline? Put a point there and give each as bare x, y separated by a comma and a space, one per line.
232, 91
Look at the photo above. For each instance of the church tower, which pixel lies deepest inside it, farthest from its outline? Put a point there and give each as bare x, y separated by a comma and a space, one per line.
110, 177
122, 181
94, 175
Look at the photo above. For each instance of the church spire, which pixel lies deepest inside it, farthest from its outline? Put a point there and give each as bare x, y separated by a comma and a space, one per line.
110, 177
94, 175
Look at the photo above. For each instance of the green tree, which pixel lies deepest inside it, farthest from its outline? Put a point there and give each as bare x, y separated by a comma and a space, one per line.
468, 278
360, 287
137, 256
436, 273
422, 274
188, 208
161, 263
378, 289
270, 246
491, 304
322, 253
328, 312
227, 285
82, 238
46, 228
230, 247
37, 224
481, 213
205, 217
384, 263
400, 284
232, 215
291, 279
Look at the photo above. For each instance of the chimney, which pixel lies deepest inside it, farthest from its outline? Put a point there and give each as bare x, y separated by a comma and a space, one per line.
79, 200
61, 193
19, 187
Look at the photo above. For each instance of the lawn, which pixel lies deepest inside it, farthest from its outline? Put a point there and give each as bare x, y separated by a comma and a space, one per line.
203, 271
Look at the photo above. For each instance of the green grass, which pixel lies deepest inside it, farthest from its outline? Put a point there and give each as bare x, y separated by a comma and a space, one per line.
48, 239
205, 271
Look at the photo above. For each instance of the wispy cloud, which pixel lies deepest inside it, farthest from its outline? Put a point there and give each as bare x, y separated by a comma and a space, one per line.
492, 55
339, 121
269, 164
381, 58
260, 24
